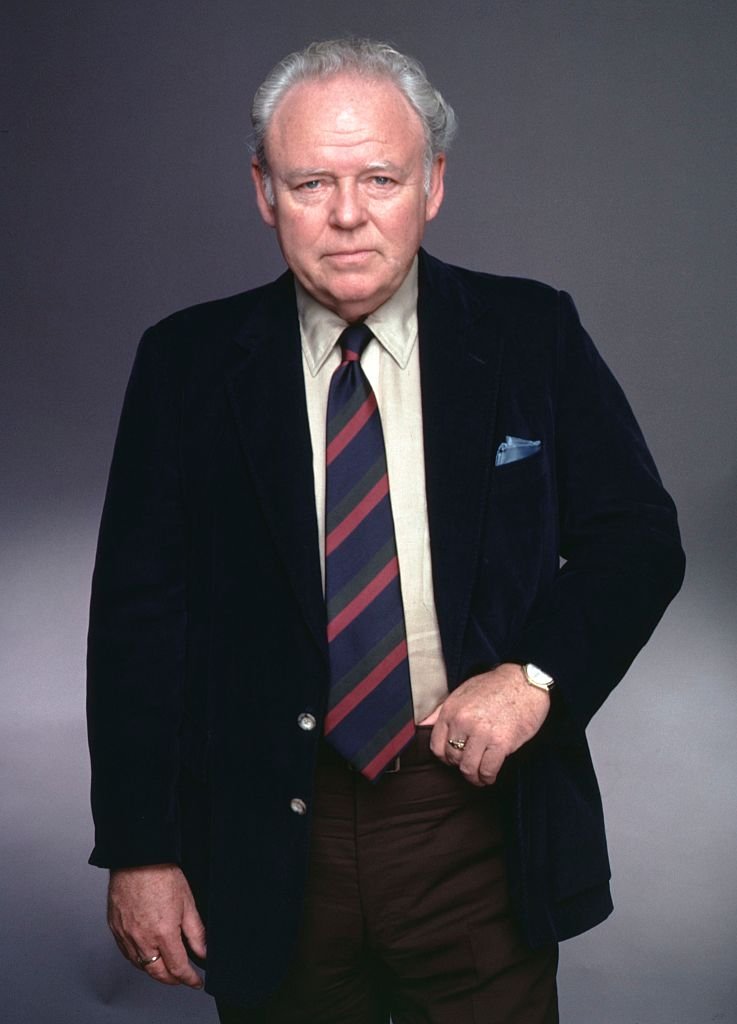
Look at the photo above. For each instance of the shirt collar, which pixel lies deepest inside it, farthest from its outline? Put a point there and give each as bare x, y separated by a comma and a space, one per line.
394, 324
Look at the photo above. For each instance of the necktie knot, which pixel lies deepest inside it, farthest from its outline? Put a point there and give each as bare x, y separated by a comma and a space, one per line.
353, 341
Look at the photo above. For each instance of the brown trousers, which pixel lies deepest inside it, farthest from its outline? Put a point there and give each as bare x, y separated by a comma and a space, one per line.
406, 910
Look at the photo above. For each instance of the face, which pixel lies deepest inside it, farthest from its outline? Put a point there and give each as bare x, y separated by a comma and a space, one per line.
346, 161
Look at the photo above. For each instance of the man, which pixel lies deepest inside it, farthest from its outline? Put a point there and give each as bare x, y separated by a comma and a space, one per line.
379, 539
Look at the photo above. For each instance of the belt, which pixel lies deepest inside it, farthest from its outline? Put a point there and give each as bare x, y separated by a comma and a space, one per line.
417, 752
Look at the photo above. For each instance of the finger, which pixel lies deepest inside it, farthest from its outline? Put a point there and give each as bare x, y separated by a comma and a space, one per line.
490, 765
470, 760
127, 953
134, 947
177, 964
168, 963
432, 717
448, 737
126, 946
157, 971
439, 739
194, 932
454, 754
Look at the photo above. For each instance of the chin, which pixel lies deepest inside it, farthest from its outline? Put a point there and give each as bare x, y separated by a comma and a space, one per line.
366, 299
356, 308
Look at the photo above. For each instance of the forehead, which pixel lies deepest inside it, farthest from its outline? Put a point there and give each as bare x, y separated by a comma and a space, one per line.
344, 110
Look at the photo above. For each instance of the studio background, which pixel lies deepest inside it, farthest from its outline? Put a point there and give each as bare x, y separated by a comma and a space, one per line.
596, 152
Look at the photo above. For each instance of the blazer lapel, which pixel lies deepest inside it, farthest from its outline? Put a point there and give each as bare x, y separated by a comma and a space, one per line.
268, 398
460, 362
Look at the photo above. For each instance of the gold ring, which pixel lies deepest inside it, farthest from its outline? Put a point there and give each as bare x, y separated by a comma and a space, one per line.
146, 961
457, 744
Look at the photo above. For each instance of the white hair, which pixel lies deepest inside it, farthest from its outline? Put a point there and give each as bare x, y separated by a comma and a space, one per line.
364, 57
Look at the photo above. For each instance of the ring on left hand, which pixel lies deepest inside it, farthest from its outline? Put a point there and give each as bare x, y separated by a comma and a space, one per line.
456, 744
146, 961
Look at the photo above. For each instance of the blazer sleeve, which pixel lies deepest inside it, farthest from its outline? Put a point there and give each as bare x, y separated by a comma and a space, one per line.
619, 537
137, 624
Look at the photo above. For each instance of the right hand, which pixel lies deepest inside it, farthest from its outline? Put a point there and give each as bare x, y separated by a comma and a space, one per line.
149, 910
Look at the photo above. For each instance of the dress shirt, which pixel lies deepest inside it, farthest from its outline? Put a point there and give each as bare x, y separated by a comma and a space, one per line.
391, 361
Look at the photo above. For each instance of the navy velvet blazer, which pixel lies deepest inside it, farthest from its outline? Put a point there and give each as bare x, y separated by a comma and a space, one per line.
207, 636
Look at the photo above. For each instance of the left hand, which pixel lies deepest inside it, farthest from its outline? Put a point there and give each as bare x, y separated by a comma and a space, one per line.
494, 714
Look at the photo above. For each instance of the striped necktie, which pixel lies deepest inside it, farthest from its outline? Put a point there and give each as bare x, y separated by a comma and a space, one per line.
370, 717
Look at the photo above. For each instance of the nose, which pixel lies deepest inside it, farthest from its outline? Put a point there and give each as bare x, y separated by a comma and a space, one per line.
348, 209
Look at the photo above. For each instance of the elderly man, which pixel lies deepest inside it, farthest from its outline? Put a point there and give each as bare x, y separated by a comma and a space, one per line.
379, 539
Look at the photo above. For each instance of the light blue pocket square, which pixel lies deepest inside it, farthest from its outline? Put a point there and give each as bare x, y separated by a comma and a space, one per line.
512, 449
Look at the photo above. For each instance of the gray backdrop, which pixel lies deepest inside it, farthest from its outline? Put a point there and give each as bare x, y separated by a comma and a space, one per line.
596, 151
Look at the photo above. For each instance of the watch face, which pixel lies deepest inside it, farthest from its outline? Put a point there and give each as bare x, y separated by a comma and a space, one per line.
537, 677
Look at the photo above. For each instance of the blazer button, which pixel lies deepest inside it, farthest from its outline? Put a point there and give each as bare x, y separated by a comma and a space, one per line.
306, 721
298, 806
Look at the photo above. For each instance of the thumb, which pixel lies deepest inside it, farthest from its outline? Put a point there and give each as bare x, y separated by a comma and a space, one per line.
432, 717
194, 932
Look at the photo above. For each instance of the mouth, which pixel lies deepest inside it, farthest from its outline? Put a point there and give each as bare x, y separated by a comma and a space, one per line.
349, 257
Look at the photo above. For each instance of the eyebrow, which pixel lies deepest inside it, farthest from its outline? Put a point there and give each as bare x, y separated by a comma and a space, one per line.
321, 172
306, 172
383, 165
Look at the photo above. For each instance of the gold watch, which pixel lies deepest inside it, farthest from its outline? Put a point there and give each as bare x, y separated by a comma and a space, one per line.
536, 677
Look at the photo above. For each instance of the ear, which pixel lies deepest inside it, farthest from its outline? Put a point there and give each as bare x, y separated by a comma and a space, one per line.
264, 206
437, 187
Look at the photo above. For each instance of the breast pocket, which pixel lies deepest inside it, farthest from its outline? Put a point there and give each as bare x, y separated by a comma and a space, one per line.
520, 538
528, 474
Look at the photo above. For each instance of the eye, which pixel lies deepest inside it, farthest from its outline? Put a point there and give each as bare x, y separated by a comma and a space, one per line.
310, 186
381, 179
